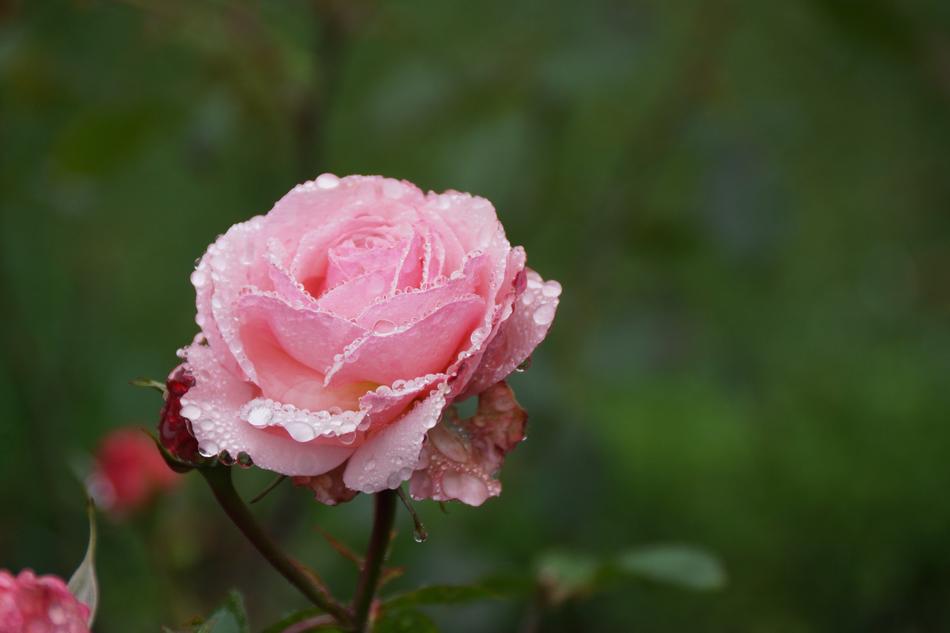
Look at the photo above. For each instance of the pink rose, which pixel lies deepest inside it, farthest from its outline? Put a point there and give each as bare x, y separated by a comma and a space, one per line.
39, 604
336, 329
128, 472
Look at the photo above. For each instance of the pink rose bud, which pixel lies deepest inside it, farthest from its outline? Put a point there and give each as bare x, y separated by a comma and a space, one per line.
129, 471
39, 604
337, 328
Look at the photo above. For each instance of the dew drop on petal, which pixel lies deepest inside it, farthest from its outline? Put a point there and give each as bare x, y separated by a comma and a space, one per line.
259, 416
327, 181
383, 326
370, 465
208, 449
191, 412
551, 289
348, 438
544, 314
300, 431
199, 278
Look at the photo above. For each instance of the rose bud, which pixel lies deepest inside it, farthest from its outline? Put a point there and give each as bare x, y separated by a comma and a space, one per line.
337, 328
39, 604
129, 472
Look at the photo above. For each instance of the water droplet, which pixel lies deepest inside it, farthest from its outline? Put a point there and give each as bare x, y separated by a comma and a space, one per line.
300, 431
419, 535
327, 181
527, 298
551, 289
347, 438
544, 314
198, 278
370, 465
383, 326
191, 412
259, 416
208, 449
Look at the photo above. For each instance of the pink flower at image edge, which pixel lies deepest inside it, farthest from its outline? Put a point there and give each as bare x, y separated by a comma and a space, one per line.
39, 604
337, 328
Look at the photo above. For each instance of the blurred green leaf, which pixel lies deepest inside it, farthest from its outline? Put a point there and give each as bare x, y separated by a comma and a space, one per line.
565, 574
404, 621
680, 565
83, 583
229, 618
294, 618
444, 594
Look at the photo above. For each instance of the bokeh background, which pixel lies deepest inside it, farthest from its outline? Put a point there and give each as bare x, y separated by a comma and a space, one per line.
748, 206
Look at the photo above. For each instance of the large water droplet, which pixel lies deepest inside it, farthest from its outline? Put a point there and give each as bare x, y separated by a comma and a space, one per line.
199, 278
191, 412
348, 438
544, 314
383, 326
259, 416
327, 181
208, 449
551, 289
300, 431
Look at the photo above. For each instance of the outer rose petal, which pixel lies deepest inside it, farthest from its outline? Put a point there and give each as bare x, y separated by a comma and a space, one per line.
327, 488
213, 406
511, 283
389, 457
529, 323
460, 457
43, 604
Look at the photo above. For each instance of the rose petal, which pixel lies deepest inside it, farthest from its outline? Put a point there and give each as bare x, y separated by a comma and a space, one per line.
309, 336
424, 347
389, 457
460, 457
529, 323
218, 397
218, 279
327, 488
400, 309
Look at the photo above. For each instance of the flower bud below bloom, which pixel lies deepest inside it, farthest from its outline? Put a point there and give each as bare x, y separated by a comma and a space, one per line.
39, 604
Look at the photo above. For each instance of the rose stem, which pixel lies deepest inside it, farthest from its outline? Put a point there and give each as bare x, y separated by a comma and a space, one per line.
384, 514
219, 479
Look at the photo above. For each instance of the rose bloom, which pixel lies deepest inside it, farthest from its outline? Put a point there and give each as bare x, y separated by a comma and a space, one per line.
337, 328
39, 604
128, 472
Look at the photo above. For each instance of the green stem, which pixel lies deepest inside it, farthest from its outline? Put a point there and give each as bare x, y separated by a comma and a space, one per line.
219, 479
385, 513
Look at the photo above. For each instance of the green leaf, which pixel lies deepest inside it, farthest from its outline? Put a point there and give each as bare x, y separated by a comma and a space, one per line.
294, 618
83, 584
568, 574
229, 618
680, 565
443, 594
489, 588
404, 621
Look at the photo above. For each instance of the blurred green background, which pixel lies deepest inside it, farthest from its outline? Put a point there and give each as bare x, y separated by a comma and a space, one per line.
748, 206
